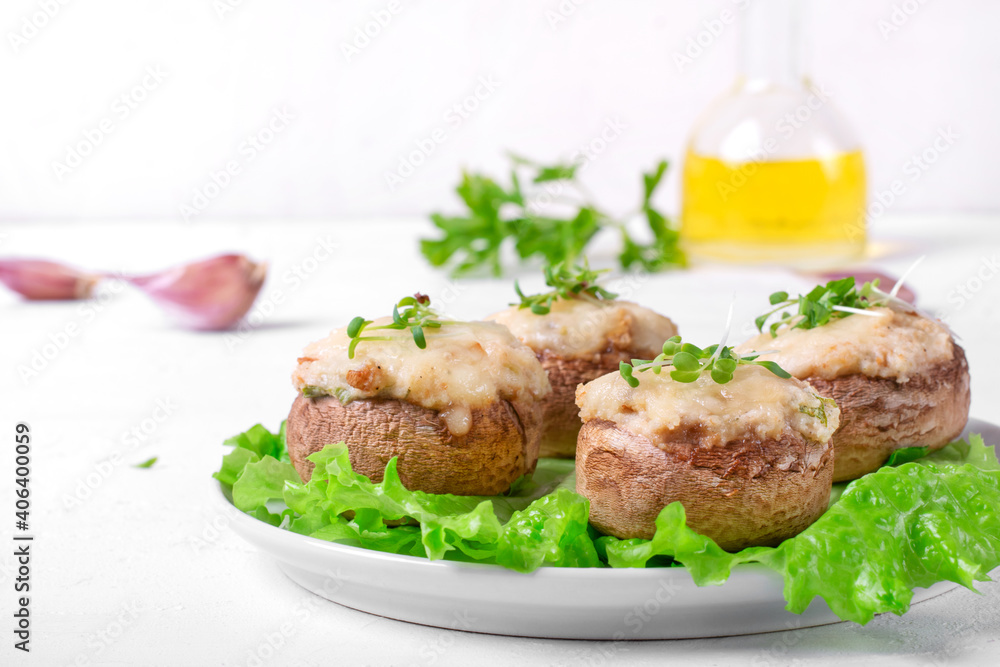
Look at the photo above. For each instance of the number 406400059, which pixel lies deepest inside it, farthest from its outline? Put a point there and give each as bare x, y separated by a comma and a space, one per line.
22, 475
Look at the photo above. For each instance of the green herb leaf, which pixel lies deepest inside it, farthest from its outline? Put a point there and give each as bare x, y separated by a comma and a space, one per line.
651, 181
497, 215
148, 463
559, 172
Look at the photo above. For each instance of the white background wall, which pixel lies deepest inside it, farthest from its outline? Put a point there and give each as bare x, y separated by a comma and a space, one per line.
229, 64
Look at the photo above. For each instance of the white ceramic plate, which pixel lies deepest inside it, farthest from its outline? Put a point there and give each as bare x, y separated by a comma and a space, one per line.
655, 603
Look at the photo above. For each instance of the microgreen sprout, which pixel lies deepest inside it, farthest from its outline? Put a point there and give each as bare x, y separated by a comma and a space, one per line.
836, 300
576, 282
416, 316
825, 303
690, 361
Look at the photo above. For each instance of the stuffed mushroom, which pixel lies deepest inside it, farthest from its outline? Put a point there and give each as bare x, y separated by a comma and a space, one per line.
578, 335
459, 403
750, 460
898, 376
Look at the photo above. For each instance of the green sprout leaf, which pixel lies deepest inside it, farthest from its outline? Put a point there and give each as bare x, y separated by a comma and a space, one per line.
686, 361
690, 361
418, 337
626, 371
575, 282
358, 323
823, 304
720, 376
774, 368
685, 376
416, 315
148, 463
727, 365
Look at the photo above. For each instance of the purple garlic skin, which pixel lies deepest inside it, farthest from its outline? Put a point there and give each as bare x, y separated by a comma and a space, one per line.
209, 295
41, 280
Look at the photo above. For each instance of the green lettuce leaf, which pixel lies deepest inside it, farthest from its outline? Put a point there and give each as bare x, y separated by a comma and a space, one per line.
261, 482
973, 452
889, 532
893, 530
707, 562
907, 454
553, 530
917, 521
261, 442
540, 522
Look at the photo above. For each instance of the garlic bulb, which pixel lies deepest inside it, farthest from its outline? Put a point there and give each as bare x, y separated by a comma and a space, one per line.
210, 295
40, 280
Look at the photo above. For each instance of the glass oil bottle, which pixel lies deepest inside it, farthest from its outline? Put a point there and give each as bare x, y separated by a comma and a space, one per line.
773, 174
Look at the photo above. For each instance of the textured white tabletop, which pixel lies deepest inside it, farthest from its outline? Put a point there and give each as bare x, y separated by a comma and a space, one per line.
138, 567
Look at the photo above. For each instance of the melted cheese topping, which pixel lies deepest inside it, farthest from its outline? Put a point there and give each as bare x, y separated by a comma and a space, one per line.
581, 327
755, 402
896, 345
464, 367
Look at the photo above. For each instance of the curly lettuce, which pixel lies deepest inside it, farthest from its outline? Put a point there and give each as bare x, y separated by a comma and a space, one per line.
917, 521
539, 523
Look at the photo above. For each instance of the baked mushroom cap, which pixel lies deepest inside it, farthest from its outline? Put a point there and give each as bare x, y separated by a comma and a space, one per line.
747, 492
899, 379
880, 415
751, 460
501, 445
462, 414
577, 341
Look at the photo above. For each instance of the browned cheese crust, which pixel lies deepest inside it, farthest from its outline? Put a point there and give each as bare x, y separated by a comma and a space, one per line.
562, 416
744, 493
880, 415
501, 446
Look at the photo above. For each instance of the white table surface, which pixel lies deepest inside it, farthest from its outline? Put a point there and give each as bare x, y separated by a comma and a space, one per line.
141, 568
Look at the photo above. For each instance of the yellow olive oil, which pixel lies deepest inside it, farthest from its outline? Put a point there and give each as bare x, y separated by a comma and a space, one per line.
807, 211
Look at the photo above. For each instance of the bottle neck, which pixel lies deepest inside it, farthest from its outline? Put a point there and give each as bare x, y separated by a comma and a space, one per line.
771, 47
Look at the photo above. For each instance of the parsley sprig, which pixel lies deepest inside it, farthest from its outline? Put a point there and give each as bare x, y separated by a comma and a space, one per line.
416, 316
823, 304
518, 212
690, 361
576, 282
